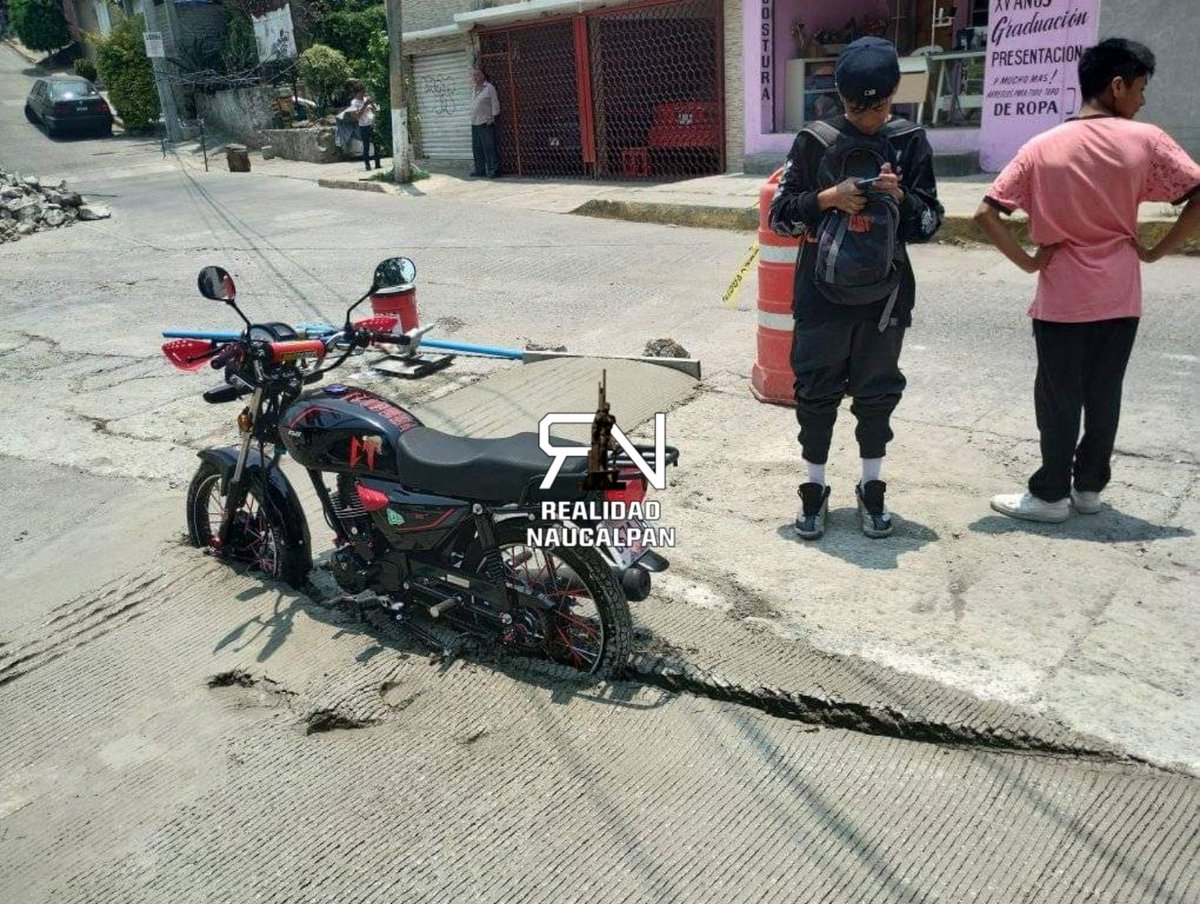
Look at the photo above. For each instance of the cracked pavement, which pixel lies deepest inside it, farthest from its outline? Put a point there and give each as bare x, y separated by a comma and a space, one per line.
972, 710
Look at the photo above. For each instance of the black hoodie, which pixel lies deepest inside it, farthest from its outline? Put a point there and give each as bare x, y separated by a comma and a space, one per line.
794, 212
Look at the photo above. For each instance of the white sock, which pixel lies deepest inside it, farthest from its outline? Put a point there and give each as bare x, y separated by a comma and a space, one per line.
872, 468
816, 473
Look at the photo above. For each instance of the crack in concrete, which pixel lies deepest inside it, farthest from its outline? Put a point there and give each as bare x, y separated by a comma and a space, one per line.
324, 720
679, 676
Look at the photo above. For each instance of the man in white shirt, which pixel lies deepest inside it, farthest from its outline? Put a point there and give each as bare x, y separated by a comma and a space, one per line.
362, 111
485, 107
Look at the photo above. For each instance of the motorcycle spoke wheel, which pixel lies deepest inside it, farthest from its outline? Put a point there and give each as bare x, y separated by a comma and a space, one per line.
574, 631
252, 538
569, 608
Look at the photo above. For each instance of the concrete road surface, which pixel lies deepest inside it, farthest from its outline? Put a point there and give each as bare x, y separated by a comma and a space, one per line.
972, 710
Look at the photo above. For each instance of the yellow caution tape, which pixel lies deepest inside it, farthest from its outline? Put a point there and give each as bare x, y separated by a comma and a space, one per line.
729, 299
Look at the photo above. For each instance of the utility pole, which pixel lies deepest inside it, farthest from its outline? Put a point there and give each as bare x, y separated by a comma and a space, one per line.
401, 162
166, 98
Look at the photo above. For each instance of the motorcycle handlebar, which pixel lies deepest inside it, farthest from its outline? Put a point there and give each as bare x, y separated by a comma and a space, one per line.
224, 356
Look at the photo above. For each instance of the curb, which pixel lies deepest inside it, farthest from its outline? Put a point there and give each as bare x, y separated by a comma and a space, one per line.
21, 52
379, 187
740, 219
956, 228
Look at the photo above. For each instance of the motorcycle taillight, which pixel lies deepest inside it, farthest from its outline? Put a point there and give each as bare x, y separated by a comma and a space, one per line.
635, 487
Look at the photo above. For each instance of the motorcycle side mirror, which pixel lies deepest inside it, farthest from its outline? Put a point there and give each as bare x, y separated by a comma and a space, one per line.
394, 272
217, 284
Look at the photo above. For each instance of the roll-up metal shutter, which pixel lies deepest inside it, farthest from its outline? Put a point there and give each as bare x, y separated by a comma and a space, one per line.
444, 93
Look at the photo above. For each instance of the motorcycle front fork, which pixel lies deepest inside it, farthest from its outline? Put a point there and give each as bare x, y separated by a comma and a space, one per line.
235, 493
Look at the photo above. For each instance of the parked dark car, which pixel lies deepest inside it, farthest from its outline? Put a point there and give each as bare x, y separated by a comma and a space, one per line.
65, 103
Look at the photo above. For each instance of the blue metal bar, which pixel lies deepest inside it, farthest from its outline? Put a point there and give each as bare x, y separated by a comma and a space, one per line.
465, 347
318, 329
201, 334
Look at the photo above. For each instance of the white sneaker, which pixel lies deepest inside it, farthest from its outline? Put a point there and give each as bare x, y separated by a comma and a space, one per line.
1086, 503
1028, 507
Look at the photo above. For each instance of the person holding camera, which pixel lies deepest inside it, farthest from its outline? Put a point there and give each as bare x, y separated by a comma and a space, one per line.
362, 111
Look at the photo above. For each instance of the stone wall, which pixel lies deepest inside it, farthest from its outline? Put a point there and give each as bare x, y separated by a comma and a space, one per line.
242, 113
308, 145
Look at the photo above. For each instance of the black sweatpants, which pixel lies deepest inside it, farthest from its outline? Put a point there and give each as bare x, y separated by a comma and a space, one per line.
838, 358
1081, 367
366, 134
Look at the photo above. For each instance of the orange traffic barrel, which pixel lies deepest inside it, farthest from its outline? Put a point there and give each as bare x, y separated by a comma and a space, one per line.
398, 301
771, 377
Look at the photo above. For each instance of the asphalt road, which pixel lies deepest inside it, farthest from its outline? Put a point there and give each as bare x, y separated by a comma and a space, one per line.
963, 712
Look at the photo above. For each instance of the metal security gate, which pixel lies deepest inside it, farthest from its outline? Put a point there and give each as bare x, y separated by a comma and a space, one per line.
533, 69
443, 89
628, 92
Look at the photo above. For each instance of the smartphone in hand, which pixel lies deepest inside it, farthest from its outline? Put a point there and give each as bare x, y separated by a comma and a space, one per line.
866, 183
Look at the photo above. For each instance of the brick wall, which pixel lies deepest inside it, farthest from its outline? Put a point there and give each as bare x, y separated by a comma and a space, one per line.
422, 14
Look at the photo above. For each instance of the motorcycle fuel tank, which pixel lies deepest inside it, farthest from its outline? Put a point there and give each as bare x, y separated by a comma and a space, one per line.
346, 429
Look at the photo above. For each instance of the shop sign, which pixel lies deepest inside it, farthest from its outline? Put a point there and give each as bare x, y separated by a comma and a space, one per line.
1031, 78
766, 61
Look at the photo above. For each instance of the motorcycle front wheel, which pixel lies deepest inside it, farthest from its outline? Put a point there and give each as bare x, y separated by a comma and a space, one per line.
257, 536
570, 608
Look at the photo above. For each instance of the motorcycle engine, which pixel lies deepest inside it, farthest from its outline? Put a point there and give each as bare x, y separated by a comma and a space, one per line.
351, 571
350, 510
351, 563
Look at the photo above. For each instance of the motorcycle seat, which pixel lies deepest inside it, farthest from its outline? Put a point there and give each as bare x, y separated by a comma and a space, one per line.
485, 470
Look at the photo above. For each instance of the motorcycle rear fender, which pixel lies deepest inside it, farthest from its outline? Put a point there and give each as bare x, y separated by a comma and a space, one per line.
280, 491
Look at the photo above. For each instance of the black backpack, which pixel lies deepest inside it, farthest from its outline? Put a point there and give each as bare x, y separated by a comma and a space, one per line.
858, 257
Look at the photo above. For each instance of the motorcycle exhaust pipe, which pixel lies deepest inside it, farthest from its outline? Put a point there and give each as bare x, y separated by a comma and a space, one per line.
634, 580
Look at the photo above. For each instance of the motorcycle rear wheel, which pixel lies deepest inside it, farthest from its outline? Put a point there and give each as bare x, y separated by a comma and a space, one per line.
588, 627
257, 537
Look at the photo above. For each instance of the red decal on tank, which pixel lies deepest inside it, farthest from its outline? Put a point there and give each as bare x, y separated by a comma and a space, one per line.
394, 414
366, 447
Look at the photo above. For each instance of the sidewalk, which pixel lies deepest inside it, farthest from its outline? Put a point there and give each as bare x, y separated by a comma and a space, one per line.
728, 201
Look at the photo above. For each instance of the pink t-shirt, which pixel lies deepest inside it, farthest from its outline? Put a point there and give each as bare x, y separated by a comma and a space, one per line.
1081, 183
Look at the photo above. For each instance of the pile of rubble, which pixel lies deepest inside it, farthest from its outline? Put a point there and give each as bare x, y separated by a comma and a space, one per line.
28, 206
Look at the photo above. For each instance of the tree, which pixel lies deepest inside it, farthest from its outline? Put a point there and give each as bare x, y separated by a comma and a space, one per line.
349, 31
127, 72
325, 72
40, 24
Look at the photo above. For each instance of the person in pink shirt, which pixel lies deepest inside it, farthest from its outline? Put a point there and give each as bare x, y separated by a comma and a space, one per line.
1080, 184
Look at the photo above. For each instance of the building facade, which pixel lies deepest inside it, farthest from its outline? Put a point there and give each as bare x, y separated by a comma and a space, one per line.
642, 88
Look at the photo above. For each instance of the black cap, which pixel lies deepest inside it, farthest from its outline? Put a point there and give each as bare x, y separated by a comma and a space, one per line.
867, 71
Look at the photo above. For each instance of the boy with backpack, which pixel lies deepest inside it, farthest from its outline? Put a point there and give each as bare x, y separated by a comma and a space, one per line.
1081, 184
856, 189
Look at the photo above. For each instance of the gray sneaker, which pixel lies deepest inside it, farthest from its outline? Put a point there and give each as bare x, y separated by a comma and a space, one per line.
875, 518
814, 506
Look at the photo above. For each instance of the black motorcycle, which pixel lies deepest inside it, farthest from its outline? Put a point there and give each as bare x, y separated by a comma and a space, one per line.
427, 525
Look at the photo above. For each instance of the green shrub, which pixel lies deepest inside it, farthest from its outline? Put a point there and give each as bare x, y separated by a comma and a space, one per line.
39, 24
349, 31
128, 75
85, 68
325, 72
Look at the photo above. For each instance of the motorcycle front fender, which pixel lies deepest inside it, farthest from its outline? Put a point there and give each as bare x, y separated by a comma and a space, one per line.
280, 493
